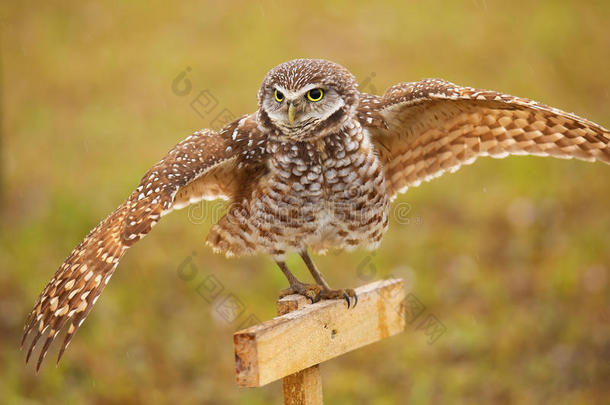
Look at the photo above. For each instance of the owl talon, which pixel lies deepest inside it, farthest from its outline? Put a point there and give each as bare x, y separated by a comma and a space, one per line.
347, 294
311, 291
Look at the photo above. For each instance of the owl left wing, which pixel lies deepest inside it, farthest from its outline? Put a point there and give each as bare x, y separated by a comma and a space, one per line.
424, 129
206, 165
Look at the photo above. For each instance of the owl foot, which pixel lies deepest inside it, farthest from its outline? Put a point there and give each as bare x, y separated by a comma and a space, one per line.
348, 294
316, 293
327, 293
311, 291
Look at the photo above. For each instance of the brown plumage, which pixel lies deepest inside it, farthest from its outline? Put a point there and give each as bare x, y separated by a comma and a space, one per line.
314, 168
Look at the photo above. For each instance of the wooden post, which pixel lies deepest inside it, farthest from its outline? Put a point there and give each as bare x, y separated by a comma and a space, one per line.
303, 387
292, 345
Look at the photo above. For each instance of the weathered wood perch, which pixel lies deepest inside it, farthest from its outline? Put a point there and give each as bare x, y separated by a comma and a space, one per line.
305, 335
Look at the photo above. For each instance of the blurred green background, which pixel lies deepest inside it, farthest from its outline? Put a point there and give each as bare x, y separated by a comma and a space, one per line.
511, 256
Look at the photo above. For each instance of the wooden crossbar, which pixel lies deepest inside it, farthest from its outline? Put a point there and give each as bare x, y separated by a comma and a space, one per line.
305, 335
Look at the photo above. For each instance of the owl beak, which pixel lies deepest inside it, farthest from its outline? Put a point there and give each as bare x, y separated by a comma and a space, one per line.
292, 113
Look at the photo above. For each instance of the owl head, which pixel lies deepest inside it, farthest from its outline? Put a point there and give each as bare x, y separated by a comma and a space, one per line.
307, 98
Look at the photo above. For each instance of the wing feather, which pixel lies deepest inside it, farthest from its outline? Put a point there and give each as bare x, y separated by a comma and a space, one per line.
206, 158
427, 128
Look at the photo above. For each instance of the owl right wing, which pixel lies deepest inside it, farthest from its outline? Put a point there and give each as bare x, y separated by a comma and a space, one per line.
424, 129
206, 165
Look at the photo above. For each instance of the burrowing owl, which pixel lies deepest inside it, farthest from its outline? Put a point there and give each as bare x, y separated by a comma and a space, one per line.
315, 167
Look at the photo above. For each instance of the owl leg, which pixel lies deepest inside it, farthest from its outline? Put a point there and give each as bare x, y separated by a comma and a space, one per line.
311, 291
327, 293
315, 273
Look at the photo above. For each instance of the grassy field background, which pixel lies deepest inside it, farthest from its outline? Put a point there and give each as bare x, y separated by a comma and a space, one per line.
511, 256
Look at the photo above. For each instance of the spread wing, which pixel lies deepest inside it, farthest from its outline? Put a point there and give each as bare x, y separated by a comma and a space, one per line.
206, 165
424, 129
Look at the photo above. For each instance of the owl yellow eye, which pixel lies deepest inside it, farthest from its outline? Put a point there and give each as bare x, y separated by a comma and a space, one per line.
315, 95
279, 97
